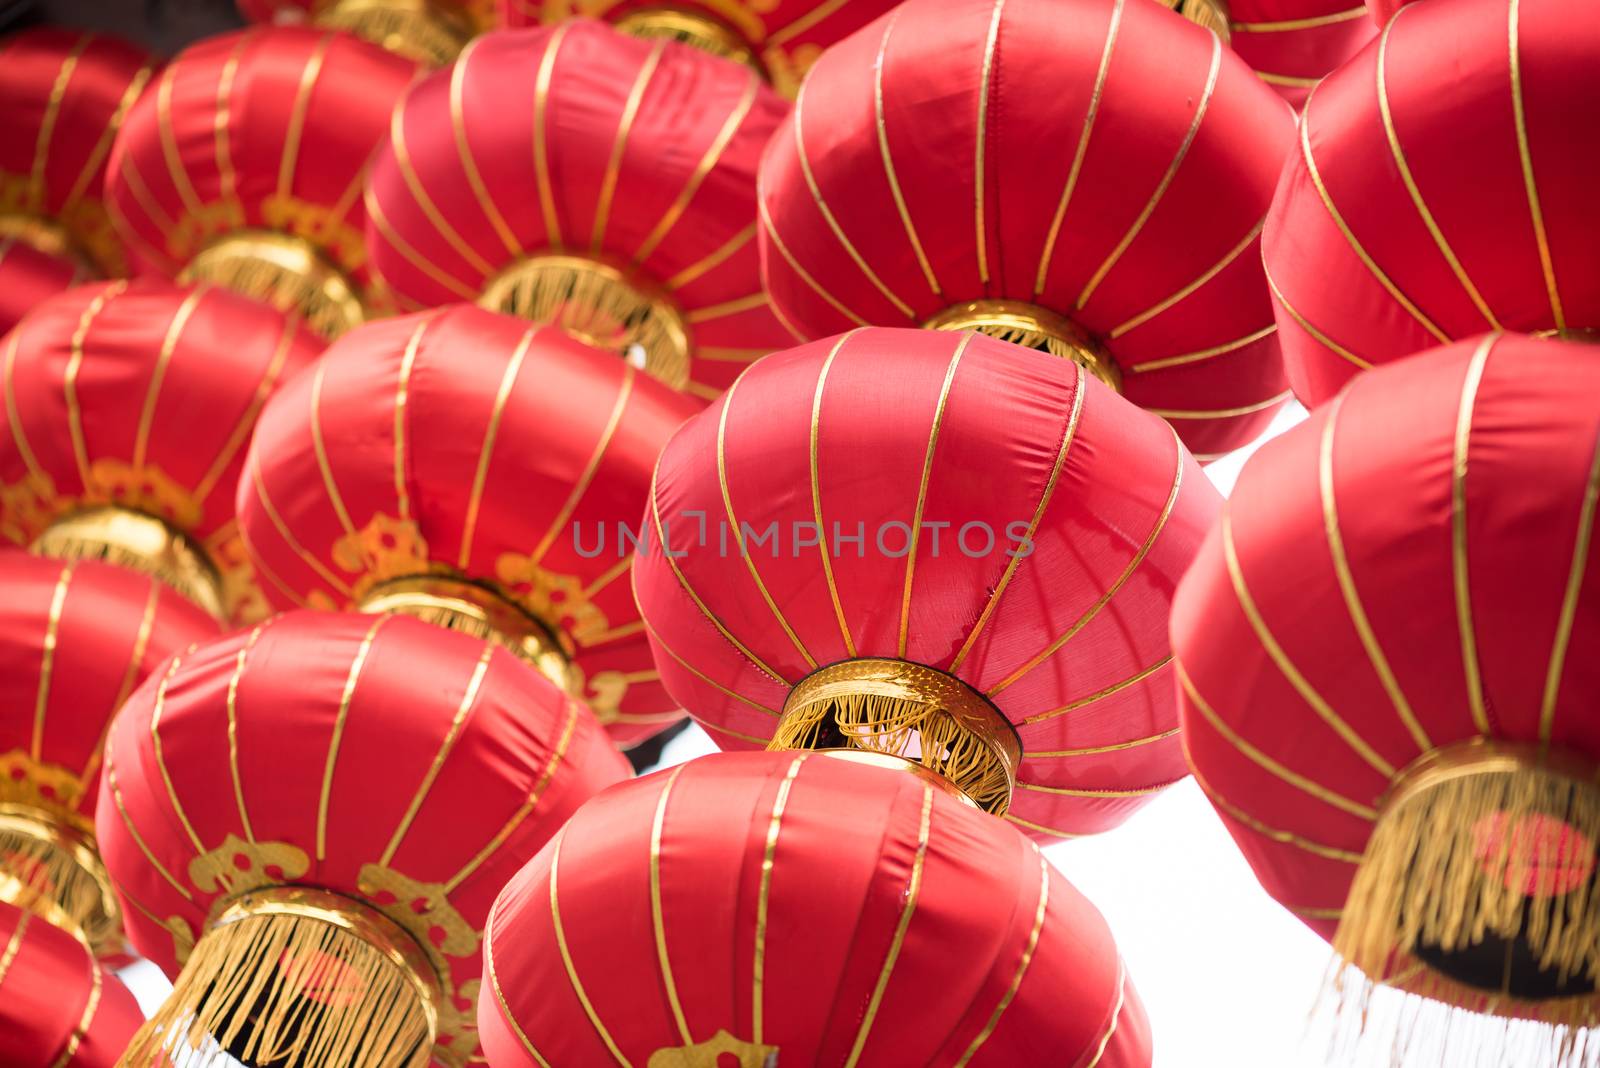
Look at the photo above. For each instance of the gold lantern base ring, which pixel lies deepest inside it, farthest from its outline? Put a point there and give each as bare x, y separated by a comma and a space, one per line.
301, 978
139, 542
456, 604
284, 271
46, 236
53, 869
1478, 887
417, 29
600, 305
1210, 14
1032, 327
898, 709
693, 28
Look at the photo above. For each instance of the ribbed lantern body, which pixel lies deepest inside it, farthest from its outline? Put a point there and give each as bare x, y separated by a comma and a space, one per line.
141, 396
1293, 44
1410, 217
28, 277
988, 511
911, 183
403, 768
468, 445
1406, 583
758, 908
579, 176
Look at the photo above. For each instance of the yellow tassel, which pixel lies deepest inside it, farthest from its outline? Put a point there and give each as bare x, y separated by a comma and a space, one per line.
126, 538
1477, 891
54, 871
283, 270
1032, 327
295, 978
910, 711
600, 306
416, 29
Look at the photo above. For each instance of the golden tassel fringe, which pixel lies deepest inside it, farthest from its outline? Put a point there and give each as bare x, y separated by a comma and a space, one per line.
910, 711
294, 989
283, 271
126, 538
416, 29
600, 306
1480, 841
1032, 327
55, 872
691, 28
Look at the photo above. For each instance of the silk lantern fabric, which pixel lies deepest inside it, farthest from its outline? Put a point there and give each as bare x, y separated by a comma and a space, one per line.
142, 396
1409, 570
470, 444
912, 178
63, 97
256, 134
980, 448
780, 39
1409, 217
28, 277
642, 161
410, 769
58, 1006
804, 908
1293, 44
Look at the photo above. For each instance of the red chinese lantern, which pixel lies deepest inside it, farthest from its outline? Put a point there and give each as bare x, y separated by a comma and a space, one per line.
474, 493
778, 39
75, 639
243, 165
64, 95
806, 909
1292, 44
28, 277
1409, 217
630, 223
1000, 536
313, 817
429, 31
58, 1005
911, 187
1385, 688
127, 409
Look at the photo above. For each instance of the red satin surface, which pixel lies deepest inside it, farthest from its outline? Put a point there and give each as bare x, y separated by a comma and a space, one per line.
266, 129
1337, 313
63, 95
28, 277
1383, 10
989, 238
786, 36
75, 639
1294, 43
1529, 459
887, 914
191, 367
567, 452
1118, 526
523, 757
58, 1007
696, 114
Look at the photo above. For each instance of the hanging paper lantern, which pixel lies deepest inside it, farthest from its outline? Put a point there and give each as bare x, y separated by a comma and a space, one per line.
63, 96
630, 222
28, 277
779, 41
428, 31
243, 165
912, 187
1292, 44
75, 639
806, 909
1000, 536
482, 494
127, 410
1411, 216
313, 817
58, 1005
1386, 692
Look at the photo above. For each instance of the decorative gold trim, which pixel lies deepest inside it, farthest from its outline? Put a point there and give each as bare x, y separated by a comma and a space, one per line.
140, 542
600, 305
697, 29
284, 271
903, 709
1032, 327
46, 236
417, 29
458, 604
52, 868
1213, 15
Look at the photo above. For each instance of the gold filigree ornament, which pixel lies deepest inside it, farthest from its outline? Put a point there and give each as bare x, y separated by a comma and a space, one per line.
298, 978
285, 270
906, 712
384, 549
721, 1050
236, 866
49, 865
1032, 327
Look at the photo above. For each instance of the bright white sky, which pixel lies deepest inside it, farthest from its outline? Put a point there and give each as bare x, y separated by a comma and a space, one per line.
1229, 977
